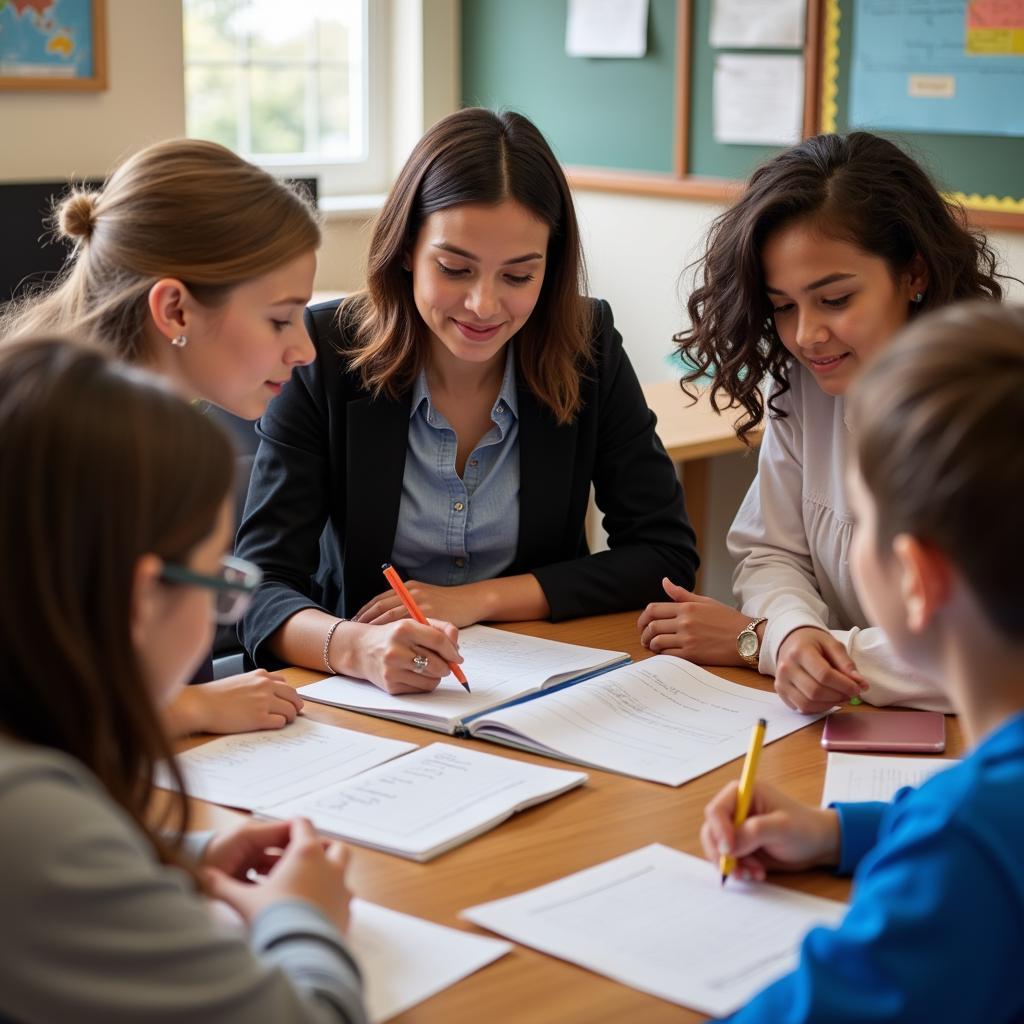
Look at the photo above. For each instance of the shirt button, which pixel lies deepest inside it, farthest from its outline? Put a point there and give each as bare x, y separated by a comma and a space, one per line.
501, 407
458, 506
472, 462
460, 562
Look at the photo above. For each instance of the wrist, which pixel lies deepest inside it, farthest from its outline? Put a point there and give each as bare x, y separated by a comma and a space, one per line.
831, 838
345, 649
183, 716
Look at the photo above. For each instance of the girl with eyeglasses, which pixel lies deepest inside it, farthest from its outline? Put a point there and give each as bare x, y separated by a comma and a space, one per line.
114, 518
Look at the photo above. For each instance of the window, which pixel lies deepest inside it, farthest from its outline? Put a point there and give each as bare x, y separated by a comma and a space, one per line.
287, 84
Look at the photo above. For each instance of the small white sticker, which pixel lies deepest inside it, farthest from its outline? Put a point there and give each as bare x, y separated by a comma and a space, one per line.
931, 87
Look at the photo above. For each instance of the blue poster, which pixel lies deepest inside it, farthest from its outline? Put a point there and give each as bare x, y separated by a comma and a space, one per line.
911, 71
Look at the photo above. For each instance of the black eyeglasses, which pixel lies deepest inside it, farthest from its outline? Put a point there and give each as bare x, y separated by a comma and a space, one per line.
233, 585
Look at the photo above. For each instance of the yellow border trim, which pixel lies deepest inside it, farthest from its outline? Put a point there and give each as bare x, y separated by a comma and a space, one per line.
830, 110
830, 67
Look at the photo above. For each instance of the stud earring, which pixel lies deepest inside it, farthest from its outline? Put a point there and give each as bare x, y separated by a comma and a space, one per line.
919, 298
179, 341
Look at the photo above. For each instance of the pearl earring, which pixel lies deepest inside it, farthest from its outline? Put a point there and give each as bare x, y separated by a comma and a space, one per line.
179, 341
919, 297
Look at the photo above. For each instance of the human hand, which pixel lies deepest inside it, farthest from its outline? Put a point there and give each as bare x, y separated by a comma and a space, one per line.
814, 672
384, 654
697, 628
779, 833
250, 846
255, 700
306, 869
462, 605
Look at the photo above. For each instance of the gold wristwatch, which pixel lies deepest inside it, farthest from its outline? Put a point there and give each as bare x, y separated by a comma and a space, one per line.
748, 643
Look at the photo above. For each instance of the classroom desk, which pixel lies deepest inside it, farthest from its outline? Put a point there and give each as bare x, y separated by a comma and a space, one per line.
609, 816
693, 434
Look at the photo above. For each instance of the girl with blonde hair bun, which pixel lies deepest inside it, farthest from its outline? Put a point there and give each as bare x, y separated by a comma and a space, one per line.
196, 264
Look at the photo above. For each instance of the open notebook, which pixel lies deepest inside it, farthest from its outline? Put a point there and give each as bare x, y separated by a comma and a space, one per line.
663, 719
501, 667
426, 802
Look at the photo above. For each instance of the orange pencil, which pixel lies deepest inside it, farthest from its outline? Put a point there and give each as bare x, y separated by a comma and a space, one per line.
391, 575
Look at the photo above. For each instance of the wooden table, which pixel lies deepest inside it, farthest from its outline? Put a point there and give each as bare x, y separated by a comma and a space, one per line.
611, 815
693, 433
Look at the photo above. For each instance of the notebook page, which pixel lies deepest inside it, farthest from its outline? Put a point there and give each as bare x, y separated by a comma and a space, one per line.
658, 920
428, 801
662, 719
499, 665
253, 768
856, 777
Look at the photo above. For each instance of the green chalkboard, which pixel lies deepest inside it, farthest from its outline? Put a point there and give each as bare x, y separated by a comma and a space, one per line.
596, 112
981, 166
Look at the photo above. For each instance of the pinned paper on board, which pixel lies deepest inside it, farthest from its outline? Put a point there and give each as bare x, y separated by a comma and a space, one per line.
606, 28
758, 100
754, 23
995, 27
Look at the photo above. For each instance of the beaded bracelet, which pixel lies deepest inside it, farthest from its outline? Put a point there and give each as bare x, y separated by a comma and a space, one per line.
327, 645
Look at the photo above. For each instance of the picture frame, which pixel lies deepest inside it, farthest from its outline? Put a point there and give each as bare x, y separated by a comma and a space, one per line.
58, 45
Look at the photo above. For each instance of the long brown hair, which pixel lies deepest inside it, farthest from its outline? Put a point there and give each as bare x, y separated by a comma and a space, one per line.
184, 208
858, 188
476, 156
938, 419
99, 464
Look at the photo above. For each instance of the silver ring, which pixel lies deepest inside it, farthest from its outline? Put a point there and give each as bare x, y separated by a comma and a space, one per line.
419, 663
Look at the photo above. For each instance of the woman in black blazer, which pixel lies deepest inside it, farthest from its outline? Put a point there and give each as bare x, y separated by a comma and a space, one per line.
453, 423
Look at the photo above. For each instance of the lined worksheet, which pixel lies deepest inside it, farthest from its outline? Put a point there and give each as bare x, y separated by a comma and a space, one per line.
429, 801
662, 719
856, 777
253, 769
658, 920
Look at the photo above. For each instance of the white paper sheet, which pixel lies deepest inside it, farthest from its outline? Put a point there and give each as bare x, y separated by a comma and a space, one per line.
662, 719
498, 664
758, 100
855, 777
757, 23
606, 28
405, 959
428, 801
658, 920
251, 769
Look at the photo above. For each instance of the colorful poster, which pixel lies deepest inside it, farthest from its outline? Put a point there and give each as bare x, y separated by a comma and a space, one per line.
912, 69
995, 26
47, 40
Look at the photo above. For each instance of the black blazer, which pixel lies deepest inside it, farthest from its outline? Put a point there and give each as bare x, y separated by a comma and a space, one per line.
323, 502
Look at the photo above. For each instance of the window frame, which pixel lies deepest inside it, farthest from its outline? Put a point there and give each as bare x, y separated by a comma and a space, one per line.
368, 173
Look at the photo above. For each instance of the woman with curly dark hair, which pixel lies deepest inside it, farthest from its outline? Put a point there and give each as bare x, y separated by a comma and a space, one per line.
835, 245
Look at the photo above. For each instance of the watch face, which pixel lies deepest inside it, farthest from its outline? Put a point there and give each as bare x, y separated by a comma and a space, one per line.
747, 643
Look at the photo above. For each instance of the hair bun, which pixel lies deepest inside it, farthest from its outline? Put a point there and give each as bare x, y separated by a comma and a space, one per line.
77, 214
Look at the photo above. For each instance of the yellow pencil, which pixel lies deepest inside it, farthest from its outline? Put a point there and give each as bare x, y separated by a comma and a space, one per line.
727, 863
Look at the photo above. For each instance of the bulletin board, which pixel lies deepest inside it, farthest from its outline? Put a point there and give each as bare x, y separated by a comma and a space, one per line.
644, 126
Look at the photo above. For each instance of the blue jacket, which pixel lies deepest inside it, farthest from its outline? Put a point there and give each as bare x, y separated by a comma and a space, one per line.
935, 930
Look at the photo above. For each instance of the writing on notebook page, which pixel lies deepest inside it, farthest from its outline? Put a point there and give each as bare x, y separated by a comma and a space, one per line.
412, 795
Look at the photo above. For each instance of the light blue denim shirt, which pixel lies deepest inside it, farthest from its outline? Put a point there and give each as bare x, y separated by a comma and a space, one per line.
454, 530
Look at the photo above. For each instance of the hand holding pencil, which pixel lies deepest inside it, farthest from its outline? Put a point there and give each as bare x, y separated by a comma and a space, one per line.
391, 575
774, 832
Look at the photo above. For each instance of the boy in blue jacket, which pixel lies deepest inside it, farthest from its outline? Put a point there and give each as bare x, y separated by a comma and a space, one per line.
935, 929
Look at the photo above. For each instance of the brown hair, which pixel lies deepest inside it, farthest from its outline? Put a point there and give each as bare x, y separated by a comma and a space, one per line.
476, 156
184, 208
938, 420
859, 188
99, 464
